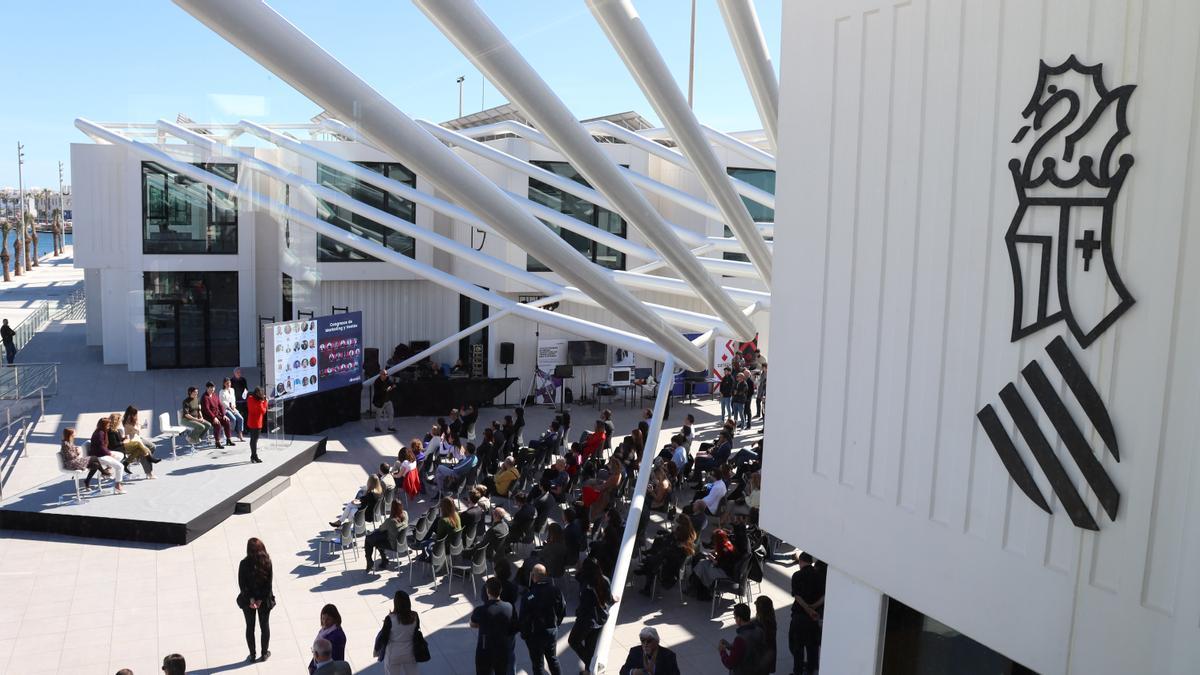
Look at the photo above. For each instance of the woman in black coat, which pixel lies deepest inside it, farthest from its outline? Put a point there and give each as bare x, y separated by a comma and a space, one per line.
595, 597
255, 596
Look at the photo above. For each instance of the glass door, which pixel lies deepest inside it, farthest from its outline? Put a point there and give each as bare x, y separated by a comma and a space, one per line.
471, 312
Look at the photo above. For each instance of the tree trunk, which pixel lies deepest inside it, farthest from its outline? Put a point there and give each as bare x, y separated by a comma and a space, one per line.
17, 250
4, 259
34, 246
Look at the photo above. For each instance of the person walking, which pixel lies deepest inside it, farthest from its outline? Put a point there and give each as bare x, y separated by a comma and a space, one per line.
494, 619
256, 412
595, 597
331, 630
8, 335
255, 595
396, 648
542, 612
381, 399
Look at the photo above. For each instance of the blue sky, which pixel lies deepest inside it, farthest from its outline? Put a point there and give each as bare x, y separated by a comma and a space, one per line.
141, 60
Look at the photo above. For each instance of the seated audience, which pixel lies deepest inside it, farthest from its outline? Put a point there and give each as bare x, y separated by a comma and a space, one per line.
718, 563
365, 500
214, 413
451, 475
388, 536
504, 479
650, 658
595, 441
99, 449
192, 417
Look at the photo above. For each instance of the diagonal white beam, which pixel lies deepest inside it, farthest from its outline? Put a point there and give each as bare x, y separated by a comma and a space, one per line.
625, 31
750, 45
268, 38
465, 24
635, 343
674, 316
729, 142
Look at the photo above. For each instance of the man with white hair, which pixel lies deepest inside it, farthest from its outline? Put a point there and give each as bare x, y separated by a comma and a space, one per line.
650, 658
322, 651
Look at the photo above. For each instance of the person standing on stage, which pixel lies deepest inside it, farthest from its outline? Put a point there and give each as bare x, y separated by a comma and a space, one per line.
256, 412
381, 399
240, 389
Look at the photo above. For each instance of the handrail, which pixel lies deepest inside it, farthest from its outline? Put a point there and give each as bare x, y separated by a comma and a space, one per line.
633, 518
33, 376
9, 422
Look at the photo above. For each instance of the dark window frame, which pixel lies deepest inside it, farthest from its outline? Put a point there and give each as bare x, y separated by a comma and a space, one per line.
397, 206
177, 300
229, 236
596, 252
750, 206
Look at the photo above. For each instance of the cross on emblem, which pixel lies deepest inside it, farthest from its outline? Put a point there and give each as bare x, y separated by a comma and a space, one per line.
1088, 246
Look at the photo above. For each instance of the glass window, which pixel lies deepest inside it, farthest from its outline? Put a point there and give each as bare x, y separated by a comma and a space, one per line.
763, 179
180, 215
579, 209
330, 250
915, 644
191, 319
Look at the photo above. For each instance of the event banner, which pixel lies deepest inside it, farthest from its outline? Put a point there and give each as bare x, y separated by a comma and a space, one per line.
551, 352
303, 357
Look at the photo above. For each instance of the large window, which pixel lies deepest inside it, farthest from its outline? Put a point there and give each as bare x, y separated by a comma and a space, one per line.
180, 215
916, 644
579, 209
330, 250
763, 179
191, 319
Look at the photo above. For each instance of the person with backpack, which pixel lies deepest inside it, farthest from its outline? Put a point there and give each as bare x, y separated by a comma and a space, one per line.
542, 612
748, 653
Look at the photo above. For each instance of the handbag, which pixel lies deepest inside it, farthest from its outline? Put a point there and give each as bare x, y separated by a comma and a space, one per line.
420, 646
382, 637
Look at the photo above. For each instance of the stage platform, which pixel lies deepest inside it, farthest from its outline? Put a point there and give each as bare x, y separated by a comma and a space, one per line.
190, 496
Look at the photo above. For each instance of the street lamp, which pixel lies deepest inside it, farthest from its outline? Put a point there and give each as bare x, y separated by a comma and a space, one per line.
460, 80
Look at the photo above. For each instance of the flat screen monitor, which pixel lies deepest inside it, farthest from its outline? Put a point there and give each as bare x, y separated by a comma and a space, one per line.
620, 376
308, 356
587, 353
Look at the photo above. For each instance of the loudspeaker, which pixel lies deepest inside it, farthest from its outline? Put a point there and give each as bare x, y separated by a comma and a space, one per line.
507, 352
370, 361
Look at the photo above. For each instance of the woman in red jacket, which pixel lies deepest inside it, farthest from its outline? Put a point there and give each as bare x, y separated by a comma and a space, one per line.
256, 410
595, 440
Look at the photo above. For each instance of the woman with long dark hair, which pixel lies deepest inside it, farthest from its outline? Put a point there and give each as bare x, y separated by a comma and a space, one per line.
256, 411
764, 614
398, 656
331, 629
595, 597
255, 595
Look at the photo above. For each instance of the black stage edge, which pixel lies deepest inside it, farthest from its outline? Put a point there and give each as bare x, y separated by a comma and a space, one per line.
313, 413
151, 531
436, 396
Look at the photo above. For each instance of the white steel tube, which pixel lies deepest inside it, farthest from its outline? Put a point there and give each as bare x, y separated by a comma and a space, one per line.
751, 47
275, 43
441, 344
628, 35
635, 343
482, 42
730, 142
633, 518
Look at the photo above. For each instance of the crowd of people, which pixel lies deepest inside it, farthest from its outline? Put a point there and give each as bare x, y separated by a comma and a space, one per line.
537, 513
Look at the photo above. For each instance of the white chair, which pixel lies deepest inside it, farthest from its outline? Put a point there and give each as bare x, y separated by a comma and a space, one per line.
170, 431
76, 477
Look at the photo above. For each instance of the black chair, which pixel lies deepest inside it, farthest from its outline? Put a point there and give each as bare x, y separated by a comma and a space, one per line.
473, 564
738, 586
401, 552
454, 543
438, 559
420, 530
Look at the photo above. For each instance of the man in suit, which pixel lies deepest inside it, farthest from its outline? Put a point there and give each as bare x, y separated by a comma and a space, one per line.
650, 657
497, 535
322, 651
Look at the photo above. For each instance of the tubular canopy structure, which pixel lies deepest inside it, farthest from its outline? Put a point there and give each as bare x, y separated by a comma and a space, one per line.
625, 31
275, 43
751, 47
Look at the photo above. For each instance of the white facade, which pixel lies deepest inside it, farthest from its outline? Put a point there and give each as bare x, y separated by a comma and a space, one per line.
397, 306
896, 129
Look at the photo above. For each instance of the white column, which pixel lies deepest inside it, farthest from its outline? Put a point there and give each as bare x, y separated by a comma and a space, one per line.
852, 638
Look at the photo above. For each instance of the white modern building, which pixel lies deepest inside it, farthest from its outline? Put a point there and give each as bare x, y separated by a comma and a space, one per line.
971, 506
179, 273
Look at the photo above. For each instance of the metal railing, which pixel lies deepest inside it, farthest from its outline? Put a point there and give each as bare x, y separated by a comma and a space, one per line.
32, 324
74, 307
23, 380
19, 442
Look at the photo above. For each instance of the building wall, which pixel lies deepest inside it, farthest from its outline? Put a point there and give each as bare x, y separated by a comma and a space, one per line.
897, 120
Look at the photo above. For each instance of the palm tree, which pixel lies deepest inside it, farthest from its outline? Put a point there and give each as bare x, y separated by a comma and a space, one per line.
56, 230
33, 248
17, 247
30, 255
5, 228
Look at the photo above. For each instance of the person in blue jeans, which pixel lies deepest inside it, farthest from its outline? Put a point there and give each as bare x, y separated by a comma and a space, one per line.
8, 335
726, 390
